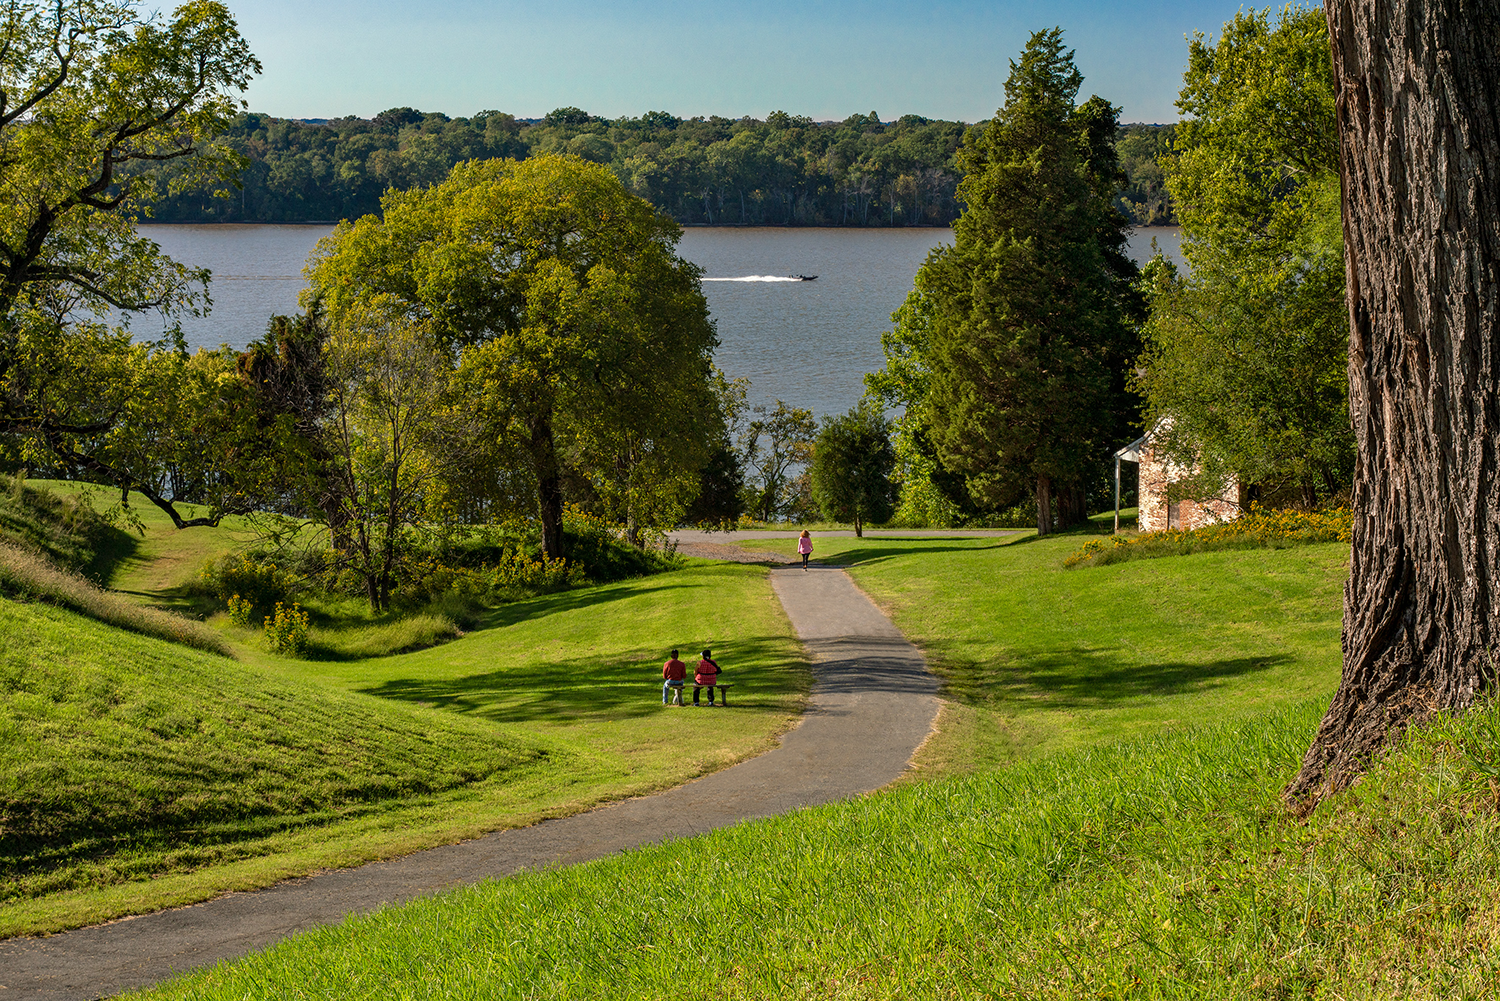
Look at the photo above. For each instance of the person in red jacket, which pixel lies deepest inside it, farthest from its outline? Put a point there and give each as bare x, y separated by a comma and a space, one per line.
674, 676
706, 676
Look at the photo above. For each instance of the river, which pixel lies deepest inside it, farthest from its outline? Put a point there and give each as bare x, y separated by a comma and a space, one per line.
809, 343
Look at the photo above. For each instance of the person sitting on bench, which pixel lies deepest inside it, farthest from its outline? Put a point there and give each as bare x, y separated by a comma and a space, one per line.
674, 676
706, 676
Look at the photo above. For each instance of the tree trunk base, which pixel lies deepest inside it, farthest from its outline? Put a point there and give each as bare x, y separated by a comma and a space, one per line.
1353, 732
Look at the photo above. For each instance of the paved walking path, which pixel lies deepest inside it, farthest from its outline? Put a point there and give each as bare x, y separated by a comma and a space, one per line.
872, 704
697, 535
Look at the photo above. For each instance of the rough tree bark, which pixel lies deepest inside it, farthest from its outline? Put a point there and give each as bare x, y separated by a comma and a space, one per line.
1418, 90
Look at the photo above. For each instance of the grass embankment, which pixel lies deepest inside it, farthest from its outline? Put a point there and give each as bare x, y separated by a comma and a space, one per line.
1037, 657
1119, 851
1164, 867
54, 549
136, 775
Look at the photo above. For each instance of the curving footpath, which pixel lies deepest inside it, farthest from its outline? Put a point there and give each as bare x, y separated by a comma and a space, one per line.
872, 705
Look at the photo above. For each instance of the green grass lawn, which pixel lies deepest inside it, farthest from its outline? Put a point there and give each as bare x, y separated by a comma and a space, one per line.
136, 774
1037, 657
1106, 824
1159, 867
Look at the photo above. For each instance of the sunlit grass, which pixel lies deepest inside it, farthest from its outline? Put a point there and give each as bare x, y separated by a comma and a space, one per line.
1164, 867
572, 681
1035, 656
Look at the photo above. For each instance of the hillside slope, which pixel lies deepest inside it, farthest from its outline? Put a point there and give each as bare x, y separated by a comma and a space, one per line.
124, 757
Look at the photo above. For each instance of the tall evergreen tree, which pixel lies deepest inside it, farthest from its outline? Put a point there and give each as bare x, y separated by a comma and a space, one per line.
1030, 331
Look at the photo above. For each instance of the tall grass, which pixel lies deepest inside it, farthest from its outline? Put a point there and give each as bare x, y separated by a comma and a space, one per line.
1163, 868
29, 575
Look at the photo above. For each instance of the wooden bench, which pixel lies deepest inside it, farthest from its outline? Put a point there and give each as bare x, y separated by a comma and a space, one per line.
723, 691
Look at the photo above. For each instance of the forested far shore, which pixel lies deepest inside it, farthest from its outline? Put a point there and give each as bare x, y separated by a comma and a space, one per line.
784, 171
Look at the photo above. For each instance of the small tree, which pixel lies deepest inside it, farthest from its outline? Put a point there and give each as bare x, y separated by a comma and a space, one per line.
388, 424
776, 442
851, 469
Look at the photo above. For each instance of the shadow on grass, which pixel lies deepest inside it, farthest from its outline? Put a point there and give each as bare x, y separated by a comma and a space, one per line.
582, 688
869, 555
1080, 678
112, 548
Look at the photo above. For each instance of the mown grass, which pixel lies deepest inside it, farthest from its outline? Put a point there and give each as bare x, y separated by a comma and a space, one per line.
1037, 657
1162, 867
136, 775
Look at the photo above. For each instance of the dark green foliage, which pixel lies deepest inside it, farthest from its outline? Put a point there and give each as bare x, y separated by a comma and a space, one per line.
851, 469
1145, 199
786, 170
1028, 313
719, 502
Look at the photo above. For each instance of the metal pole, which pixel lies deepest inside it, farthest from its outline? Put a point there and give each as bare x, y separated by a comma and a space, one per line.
1117, 495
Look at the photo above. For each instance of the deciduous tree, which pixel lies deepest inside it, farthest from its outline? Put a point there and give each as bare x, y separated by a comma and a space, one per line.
775, 443
851, 468
584, 341
87, 89
1244, 368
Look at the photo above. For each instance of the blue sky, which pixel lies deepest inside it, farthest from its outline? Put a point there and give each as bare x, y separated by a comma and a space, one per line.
824, 58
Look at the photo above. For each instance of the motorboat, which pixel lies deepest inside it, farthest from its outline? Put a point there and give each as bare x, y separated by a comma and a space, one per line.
803, 278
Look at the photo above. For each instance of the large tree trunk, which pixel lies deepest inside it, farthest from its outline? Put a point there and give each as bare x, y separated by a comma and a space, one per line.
1043, 505
1417, 86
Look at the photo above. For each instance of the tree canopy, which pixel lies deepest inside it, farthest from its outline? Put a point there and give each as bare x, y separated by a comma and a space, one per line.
88, 90
1244, 368
581, 339
783, 170
1027, 316
851, 468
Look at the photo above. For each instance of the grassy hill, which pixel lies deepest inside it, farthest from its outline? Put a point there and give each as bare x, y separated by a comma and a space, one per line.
137, 774
1104, 822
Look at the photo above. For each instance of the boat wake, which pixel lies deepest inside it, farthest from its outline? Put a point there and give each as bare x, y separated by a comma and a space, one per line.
762, 278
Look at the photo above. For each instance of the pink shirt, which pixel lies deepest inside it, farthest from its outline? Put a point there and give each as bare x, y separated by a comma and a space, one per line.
804, 545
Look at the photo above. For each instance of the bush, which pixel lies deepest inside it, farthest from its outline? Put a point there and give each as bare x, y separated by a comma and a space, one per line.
241, 611
248, 578
599, 548
1256, 529
286, 630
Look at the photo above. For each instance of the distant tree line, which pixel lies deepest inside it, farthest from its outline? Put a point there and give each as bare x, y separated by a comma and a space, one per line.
785, 170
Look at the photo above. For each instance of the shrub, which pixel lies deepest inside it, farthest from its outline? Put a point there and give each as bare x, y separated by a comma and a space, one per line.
241, 610
259, 582
286, 630
1256, 529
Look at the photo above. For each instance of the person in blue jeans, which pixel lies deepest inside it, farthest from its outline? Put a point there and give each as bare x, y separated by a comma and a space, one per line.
674, 676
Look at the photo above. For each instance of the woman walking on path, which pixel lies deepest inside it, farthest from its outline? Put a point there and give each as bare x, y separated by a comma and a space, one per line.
804, 546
